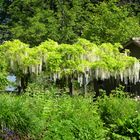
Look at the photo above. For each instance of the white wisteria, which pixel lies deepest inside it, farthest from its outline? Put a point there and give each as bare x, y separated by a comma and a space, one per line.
81, 58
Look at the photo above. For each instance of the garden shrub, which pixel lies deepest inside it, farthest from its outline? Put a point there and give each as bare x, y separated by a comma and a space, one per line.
47, 115
72, 119
121, 116
20, 116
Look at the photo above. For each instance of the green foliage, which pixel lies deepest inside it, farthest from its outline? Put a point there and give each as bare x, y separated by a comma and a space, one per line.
70, 57
67, 119
44, 20
47, 116
19, 57
14, 52
111, 58
3, 81
4, 18
3, 71
64, 60
111, 23
33, 21
20, 115
120, 115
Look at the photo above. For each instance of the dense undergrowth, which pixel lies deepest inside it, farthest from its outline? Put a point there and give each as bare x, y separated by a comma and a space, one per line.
49, 116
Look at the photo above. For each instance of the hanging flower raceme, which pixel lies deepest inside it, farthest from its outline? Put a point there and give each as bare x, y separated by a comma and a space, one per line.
112, 63
15, 51
82, 58
21, 58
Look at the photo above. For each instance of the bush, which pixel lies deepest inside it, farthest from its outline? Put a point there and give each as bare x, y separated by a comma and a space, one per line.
51, 117
20, 116
121, 116
72, 119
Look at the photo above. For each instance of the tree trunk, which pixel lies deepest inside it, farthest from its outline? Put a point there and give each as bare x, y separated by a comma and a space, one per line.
84, 85
70, 84
24, 81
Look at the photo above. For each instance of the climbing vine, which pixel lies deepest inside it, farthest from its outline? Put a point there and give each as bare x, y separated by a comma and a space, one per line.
82, 60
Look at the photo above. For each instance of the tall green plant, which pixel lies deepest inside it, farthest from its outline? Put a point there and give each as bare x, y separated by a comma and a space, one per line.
20, 116
120, 115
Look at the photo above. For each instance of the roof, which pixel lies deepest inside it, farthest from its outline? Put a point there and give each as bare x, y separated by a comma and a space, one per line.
134, 40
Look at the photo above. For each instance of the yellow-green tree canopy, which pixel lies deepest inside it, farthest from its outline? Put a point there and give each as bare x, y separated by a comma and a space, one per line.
96, 61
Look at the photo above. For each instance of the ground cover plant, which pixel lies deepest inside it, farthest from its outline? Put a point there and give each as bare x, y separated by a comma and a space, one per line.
49, 115
19, 117
121, 115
